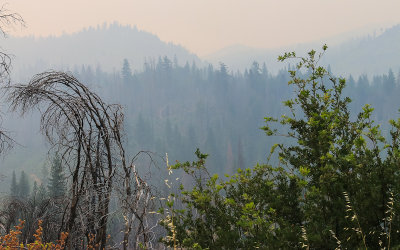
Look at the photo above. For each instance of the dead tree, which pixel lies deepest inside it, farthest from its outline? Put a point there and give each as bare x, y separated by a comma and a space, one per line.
8, 19
30, 210
88, 134
137, 202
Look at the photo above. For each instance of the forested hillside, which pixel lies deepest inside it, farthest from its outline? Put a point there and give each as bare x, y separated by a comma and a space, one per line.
174, 108
103, 46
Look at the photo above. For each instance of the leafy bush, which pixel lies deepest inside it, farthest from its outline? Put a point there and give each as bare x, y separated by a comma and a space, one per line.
335, 184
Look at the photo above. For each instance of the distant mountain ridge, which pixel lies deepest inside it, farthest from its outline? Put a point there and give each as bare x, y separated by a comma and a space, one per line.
369, 54
105, 46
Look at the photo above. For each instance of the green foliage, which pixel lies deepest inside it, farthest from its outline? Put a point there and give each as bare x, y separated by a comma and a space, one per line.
300, 202
237, 213
334, 154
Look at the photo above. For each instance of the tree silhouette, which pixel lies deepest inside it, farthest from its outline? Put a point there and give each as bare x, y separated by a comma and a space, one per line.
56, 185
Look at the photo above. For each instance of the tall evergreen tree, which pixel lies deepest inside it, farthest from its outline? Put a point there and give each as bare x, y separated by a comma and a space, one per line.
56, 185
23, 185
126, 71
389, 81
34, 190
44, 175
14, 185
41, 193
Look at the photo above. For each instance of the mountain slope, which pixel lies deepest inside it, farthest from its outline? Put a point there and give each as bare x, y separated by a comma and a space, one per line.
370, 54
104, 46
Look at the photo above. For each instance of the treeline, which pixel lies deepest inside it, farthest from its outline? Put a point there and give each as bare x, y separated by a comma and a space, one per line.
44, 201
53, 185
177, 108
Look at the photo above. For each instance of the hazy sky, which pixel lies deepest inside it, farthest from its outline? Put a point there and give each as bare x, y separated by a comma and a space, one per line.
204, 26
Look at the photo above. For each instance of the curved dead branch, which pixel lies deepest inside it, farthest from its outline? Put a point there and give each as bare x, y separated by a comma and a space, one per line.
87, 133
8, 19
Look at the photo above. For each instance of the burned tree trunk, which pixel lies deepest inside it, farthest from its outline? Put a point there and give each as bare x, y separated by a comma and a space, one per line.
82, 128
87, 133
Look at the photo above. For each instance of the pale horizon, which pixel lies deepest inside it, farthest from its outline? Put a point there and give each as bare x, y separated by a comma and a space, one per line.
204, 27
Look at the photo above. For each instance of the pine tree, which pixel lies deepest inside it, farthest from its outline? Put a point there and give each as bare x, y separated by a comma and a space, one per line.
56, 185
34, 191
23, 185
39, 193
35, 188
14, 185
44, 175
126, 71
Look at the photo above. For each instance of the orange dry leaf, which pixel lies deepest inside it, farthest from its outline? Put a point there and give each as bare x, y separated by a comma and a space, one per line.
11, 240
